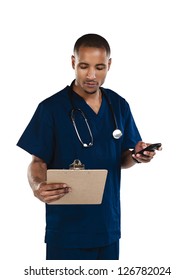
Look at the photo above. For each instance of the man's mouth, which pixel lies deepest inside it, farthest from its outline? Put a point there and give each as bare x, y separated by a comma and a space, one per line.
91, 84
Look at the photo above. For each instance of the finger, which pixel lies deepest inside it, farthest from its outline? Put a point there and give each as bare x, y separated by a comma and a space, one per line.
149, 153
145, 158
56, 197
142, 145
51, 192
56, 186
52, 198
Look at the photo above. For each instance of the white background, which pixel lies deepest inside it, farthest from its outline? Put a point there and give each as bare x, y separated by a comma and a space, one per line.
153, 67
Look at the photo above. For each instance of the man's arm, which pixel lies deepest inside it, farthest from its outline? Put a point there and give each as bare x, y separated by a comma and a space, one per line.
37, 174
127, 160
37, 171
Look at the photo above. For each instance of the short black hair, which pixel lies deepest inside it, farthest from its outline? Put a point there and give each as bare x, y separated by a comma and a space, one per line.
92, 40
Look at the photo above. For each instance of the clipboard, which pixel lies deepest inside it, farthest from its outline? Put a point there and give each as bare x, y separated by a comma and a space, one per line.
87, 185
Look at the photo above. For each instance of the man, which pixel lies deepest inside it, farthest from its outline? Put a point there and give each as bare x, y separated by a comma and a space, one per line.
83, 231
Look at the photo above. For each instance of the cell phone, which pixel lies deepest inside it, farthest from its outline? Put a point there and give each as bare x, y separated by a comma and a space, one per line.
150, 148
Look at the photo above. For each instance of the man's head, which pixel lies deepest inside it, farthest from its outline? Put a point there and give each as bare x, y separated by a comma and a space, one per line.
91, 62
92, 41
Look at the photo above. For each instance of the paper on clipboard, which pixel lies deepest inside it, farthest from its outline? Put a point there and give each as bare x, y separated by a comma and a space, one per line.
87, 185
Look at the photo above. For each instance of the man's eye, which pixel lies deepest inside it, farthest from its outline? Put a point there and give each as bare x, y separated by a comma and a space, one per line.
83, 66
100, 67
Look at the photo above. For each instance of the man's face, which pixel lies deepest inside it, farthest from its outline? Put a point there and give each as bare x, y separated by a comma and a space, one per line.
91, 66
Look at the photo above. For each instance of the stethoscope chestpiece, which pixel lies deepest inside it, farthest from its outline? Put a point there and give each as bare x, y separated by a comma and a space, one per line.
87, 145
117, 133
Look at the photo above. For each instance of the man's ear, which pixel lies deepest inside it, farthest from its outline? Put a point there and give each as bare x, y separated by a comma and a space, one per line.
73, 61
109, 63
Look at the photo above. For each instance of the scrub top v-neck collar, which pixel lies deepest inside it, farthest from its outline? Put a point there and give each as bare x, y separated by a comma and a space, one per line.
82, 104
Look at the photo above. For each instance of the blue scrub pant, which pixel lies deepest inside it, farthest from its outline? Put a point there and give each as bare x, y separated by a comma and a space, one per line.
110, 252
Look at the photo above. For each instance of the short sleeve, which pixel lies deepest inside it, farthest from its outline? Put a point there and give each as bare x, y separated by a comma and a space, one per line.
131, 133
37, 139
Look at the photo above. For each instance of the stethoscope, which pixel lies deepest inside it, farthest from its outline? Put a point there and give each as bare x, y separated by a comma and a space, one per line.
117, 133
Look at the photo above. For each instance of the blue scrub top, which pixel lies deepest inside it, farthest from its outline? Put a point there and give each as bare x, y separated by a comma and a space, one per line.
50, 135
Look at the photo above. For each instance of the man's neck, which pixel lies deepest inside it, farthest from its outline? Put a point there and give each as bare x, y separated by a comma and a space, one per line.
94, 100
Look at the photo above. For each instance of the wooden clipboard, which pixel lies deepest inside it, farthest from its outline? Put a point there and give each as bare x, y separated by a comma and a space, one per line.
87, 185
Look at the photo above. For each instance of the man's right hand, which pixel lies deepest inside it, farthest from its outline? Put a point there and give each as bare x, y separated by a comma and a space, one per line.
51, 192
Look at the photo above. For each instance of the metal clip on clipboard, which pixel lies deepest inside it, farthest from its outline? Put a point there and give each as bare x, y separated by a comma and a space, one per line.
77, 165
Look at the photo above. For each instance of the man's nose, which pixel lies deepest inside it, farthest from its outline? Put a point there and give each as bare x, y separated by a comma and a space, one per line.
91, 74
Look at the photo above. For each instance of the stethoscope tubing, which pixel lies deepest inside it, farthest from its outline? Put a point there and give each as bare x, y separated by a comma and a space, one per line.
116, 133
87, 124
